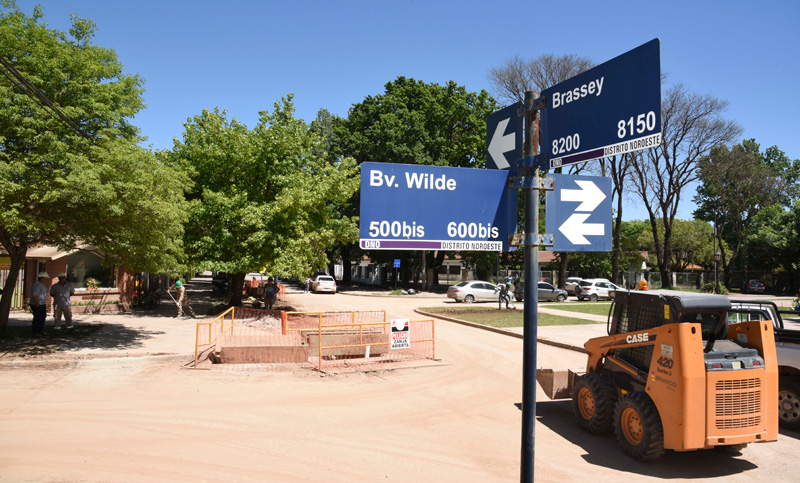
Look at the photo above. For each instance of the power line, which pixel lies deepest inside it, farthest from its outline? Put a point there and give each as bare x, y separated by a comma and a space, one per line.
19, 81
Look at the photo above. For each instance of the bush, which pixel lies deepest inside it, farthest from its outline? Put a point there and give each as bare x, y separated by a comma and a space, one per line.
709, 288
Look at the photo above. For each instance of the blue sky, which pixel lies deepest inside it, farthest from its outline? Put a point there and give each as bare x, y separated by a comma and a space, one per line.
244, 55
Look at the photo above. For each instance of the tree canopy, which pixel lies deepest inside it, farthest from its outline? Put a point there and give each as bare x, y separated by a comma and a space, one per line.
263, 199
70, 169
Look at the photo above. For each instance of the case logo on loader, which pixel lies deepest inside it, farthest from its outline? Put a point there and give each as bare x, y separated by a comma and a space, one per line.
636, 338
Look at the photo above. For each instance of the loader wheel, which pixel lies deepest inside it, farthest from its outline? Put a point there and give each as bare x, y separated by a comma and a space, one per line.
789, 404
593, 398
733, 449
638, 427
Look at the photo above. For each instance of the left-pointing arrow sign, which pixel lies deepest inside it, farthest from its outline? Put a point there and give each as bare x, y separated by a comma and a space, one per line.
503, 138
501, 144
576, 230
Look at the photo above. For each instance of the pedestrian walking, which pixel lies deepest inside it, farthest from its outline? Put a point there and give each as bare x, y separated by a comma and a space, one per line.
504, 296
181, 298
61, 293
38, 303
308, 285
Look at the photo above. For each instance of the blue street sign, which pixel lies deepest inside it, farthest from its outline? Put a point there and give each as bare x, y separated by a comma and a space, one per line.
503, 138
396, 263
417, 207
578, 213
612, 109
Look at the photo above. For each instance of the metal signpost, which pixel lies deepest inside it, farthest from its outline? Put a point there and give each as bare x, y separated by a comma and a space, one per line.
578, 213
396, 266
417, 207
614, 108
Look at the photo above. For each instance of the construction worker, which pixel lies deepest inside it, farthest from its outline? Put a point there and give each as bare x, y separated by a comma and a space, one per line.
181, 298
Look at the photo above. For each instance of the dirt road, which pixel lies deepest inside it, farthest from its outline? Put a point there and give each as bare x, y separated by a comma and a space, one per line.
144, 418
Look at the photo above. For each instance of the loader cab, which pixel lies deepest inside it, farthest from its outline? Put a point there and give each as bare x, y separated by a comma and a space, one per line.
634, 311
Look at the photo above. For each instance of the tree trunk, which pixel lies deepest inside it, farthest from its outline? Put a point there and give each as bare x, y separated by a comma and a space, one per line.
438, 261
236, 287
346, 269
17, 260
562, 270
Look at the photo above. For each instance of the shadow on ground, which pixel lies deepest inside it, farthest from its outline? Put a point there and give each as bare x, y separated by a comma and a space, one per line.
19, 342
603, 450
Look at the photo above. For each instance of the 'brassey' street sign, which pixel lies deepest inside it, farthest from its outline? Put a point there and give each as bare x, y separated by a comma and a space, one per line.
614, 108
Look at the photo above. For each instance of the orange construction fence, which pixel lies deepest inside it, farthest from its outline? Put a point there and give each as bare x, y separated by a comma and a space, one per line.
247, 339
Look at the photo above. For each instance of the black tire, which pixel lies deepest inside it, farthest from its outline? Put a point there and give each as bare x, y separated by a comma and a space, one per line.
638, 427
593, 297
580, 298
577, 291
561, 298
518, 298
469, 299
789, 404
593, 398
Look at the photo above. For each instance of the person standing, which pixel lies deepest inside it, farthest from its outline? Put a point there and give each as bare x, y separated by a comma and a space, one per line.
61, 292
38, 303
182, 298
308, 285
271, 293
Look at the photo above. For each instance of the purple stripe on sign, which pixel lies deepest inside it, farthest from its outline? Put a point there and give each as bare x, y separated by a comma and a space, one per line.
419, 245
576, 158
401, 244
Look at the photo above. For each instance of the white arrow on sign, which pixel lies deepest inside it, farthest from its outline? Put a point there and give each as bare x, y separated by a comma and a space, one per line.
501, 144
589, 195
576, 230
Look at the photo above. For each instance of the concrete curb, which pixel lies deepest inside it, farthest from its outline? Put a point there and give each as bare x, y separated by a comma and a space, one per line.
502, 331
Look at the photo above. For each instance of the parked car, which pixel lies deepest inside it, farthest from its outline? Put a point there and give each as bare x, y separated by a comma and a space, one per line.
323, 283
546, 292
473, 291
754, 286
596, 288
573, 285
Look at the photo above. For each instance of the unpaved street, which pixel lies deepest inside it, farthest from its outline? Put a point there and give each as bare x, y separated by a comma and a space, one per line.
123, 415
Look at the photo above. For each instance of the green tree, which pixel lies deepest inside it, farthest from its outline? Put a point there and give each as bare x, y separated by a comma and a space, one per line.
692, 243
263, 199
775, 242
70, 170
414, 122
735, 184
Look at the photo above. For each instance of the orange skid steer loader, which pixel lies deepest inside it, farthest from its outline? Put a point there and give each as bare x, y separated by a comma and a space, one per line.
672, 374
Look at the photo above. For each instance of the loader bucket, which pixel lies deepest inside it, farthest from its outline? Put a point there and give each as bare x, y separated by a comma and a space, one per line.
556, 384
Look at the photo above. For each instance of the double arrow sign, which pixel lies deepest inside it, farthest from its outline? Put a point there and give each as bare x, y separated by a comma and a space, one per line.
571, 224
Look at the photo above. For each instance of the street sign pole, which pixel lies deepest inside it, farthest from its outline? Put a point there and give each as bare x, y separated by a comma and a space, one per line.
530, 316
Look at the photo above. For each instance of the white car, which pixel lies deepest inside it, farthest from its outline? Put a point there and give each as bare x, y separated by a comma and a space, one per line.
573, 285
323, 283
596, 288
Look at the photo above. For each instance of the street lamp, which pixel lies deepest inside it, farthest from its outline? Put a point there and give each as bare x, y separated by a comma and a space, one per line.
717, 258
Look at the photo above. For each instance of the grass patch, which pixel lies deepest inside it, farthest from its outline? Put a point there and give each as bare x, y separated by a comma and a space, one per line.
594, 308
501, 318
19, 340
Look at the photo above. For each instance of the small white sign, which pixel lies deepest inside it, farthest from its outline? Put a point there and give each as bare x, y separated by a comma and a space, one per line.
666, 350
401, 335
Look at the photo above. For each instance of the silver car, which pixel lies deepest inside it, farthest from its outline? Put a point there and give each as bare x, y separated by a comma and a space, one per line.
473, 291
596, 288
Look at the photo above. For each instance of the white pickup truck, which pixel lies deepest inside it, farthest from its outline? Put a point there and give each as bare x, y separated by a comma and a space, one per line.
787, 345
